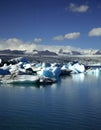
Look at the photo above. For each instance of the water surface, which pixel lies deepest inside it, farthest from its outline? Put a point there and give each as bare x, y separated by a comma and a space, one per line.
74, 103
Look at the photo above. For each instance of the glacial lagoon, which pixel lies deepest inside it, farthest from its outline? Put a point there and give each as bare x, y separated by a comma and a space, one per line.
73, 103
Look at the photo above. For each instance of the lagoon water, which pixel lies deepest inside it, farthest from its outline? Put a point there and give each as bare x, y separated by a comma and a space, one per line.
74, 103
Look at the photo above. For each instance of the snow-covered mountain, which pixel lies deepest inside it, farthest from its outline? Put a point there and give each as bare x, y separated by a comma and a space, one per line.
69, 50
55, 50
98, 52
8, 51
46, 52
78, 51
89, 52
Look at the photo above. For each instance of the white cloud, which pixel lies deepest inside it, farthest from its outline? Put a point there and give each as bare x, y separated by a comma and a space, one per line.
37, 40
58, 38
16, 44
95, 32
73, 35
70, 36
80, 9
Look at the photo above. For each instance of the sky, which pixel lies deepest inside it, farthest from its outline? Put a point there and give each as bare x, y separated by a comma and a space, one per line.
28, 24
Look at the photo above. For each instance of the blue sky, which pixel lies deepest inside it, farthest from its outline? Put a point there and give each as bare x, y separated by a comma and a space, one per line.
51, 22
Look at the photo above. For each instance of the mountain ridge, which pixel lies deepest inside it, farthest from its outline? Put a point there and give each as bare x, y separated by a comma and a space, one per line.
49, 51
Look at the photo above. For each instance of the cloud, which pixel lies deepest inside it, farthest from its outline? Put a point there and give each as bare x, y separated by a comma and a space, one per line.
16, 44
58, 38
80, 9
73, 35
70, 36
95, 32
37, 40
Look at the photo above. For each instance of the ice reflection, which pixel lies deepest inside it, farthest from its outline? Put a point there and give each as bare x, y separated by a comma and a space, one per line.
20, 86
78, 77
90, 76
94, 72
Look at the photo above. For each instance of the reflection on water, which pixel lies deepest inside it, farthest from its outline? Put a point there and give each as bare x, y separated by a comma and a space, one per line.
74, 102
78, 77
91, 76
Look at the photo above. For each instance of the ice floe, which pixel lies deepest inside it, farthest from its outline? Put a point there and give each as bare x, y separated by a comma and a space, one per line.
20, 70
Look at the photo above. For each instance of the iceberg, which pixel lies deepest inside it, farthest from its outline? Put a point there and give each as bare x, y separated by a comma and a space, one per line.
76, 68
16, 79
65, 70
